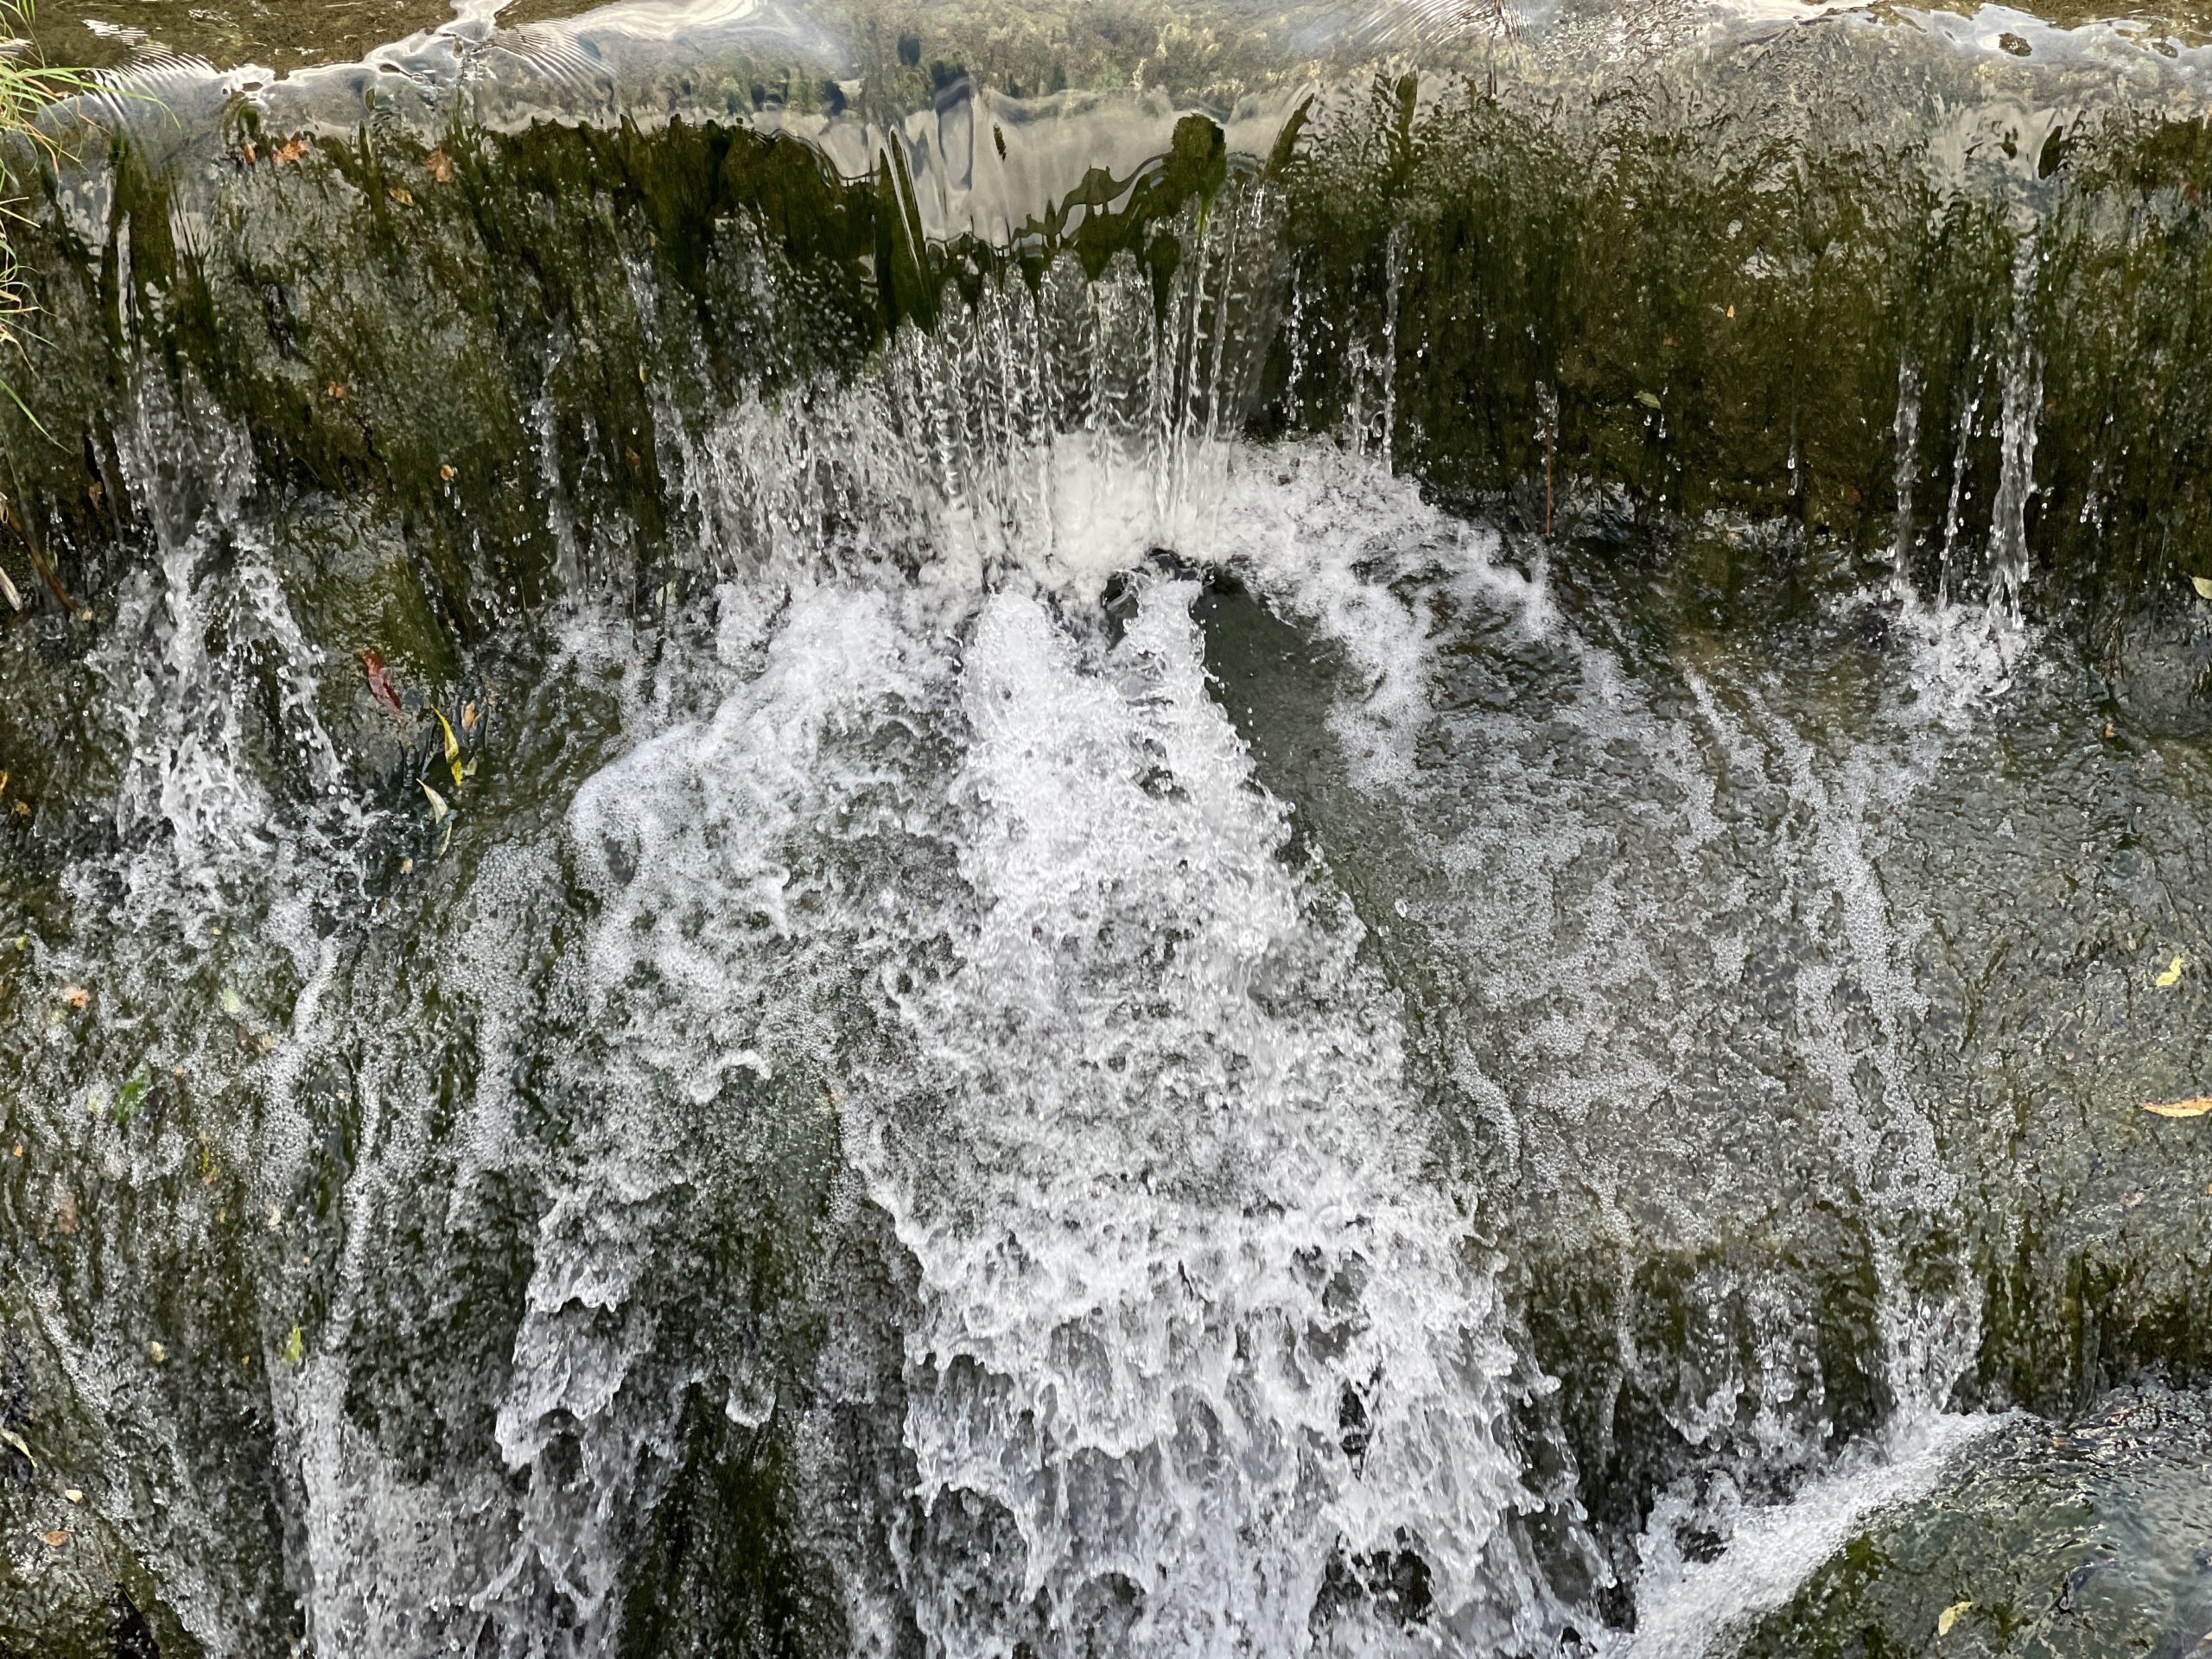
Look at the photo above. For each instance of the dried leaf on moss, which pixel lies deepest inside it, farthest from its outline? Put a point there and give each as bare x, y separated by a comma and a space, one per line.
2195, 1106
380, 683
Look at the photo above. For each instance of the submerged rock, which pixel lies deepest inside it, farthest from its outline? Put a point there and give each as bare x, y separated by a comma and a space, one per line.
2087, 1535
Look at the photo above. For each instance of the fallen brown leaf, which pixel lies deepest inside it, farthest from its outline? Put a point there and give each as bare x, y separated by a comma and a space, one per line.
291, 149
439, 166
54, 1540
75, 995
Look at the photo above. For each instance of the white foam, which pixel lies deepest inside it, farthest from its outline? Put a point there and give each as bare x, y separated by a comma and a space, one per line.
1168, 1209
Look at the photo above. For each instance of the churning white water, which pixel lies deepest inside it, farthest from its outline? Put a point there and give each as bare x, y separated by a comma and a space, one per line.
1192, 1336
1200, 1359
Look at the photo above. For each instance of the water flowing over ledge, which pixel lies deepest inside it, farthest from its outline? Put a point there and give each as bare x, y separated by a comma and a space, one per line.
1945, 322
1378, 848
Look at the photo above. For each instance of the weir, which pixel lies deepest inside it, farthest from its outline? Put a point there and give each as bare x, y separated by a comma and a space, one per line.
1134, 829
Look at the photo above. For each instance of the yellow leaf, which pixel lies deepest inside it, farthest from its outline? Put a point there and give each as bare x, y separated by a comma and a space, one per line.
2171, 977
400, 194
1950, 1616
9, 1437
438, 808
2196, 1107
2203, 586
453, 748
294, 1346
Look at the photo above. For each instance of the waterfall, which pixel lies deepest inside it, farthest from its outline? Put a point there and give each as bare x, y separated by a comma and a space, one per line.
802, 853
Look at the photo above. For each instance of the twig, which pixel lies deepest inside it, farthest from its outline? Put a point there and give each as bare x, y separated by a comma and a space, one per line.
38, 560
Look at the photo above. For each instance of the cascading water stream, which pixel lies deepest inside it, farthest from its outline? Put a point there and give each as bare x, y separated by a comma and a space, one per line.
1197, 1358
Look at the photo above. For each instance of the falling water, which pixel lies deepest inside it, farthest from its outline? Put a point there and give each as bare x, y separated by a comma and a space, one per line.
1030, 1024
2018, 420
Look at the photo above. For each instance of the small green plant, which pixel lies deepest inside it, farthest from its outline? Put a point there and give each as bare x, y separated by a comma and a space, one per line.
28, 85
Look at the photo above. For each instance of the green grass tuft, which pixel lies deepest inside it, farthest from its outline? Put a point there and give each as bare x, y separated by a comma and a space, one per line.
28, 85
